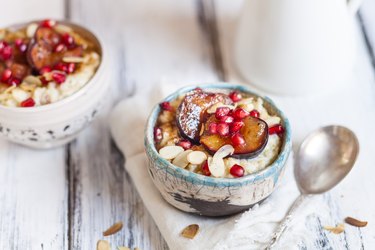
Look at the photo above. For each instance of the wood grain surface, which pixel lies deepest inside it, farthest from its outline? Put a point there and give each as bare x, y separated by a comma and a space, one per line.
66, 197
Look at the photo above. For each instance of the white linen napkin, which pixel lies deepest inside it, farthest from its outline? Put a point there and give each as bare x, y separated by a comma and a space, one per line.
249, 230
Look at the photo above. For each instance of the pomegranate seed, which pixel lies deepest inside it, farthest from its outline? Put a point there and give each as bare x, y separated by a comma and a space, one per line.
61, 67
58, 77
198, 89
240, 113
18, 42
221, 112
158, 135
223, 129
185, 144
45, 69
166, 106
276, 129
48, 23
254, 113
205, 169
44, 80
236, 126
6, 53
59, 48
3, 44
68, 40
227, 119
235, 96
28, 103
14, 81
212, 128
237, 170
6, 75
237, 140
71, 68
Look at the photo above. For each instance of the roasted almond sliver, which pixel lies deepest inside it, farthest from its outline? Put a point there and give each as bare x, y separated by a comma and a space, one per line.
336, 230
170, 152
190, 231
73, 59
196, 157
103, 245
30, 30
32, 80
354, 222
181, 159
113, 229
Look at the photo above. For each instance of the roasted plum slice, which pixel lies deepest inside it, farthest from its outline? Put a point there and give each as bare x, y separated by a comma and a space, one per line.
254, 132
39, 54
191, 111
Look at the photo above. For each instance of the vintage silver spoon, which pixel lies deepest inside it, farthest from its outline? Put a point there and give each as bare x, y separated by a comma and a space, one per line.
325, 157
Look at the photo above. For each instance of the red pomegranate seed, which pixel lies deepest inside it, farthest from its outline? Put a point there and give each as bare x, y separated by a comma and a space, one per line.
276, 129
48, 23
158, 135
185, 144
59, 48
240, 113
44, 80
221, 111
227, 119
205, 169
237, 140
3, 44
58, 77
23, 48
71, 68
18, 42
68, 40
28, 103
14, 81
45, 69
223, 129
61, 67
236, 126
212, 128
6, 53
254, 113
6, 75
237, 170
166, 106
235, 96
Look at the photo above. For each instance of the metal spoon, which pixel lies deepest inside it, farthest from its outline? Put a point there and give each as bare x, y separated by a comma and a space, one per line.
325, 157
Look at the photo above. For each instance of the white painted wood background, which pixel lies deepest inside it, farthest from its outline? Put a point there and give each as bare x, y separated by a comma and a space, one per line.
64, 198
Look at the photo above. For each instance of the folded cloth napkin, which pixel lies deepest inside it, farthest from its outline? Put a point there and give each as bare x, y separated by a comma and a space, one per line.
249, 230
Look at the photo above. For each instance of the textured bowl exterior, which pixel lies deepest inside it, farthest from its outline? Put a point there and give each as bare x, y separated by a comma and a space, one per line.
210, 196
58, 123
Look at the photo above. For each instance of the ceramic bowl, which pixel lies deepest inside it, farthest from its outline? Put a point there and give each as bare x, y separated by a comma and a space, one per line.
58, 123
209, 196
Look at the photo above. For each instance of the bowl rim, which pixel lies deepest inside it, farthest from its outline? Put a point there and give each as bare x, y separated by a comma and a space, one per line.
76, 94
192, 177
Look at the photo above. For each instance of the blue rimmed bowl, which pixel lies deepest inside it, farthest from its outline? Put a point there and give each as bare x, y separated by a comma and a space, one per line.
210, 196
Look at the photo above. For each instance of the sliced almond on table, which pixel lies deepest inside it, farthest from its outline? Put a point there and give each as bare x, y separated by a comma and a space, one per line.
181, 159
336, 230
190, 231
103, 245
123, 248
354, 222
196, 157
170, 152
73, 59
113, 229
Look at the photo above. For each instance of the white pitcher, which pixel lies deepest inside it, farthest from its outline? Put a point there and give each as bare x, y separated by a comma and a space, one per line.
296, 46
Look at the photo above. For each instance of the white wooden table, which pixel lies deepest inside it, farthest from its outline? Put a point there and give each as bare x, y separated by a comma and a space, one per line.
64, 198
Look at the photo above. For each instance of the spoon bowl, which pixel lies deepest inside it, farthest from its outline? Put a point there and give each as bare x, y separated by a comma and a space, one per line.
325, 157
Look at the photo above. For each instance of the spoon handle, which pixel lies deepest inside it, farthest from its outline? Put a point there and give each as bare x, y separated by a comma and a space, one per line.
286, 221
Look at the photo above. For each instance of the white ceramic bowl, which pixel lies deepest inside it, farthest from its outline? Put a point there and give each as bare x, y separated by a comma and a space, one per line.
58, 123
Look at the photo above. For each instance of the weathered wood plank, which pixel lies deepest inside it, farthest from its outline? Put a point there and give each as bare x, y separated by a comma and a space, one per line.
33, 207
150, 42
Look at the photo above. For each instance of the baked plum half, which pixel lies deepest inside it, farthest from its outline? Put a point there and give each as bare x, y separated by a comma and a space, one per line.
191, 112
248, 136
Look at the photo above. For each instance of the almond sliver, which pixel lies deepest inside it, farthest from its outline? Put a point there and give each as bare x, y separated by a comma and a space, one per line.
181, 159
73, 59
170, 152
103, 245
196, 157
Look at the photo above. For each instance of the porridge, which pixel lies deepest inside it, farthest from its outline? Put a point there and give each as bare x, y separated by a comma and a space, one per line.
218, 134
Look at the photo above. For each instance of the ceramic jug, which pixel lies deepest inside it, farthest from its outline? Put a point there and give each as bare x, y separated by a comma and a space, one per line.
296, 46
